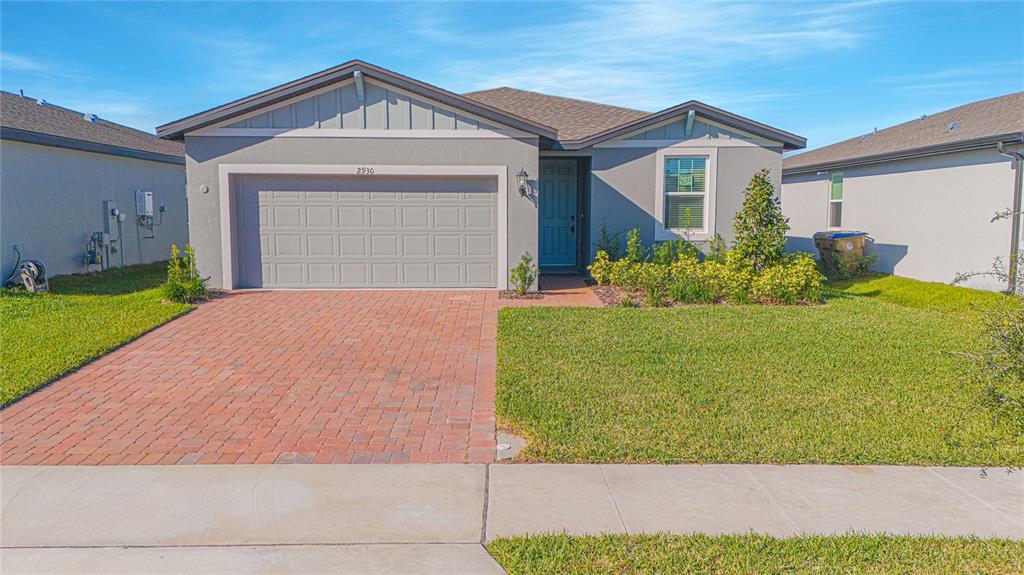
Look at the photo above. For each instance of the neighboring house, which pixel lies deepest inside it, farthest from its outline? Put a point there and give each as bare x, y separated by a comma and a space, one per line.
360, 177
926, 191
61, 174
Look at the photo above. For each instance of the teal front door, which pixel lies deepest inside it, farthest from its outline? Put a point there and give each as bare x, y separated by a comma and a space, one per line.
558, 213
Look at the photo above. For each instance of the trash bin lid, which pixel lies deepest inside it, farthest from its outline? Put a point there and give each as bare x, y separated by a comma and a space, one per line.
838, 234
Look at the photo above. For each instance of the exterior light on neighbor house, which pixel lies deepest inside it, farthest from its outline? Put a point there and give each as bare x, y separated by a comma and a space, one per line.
521, 178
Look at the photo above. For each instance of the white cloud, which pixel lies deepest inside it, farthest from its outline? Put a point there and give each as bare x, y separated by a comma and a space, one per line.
647, 55
9, 62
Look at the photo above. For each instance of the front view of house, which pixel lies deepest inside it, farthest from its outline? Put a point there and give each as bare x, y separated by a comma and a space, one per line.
358, 177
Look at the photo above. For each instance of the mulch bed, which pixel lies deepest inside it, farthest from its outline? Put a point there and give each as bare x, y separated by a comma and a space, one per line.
511, 294
610, 295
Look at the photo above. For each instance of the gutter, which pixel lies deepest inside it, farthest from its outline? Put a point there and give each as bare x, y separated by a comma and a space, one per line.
1017, 161
960, 146
38, 138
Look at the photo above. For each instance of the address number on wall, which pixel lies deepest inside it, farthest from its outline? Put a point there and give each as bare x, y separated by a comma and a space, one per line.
364, 171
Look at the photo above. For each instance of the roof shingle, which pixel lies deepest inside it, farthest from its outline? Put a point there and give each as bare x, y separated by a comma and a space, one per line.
986, 118
21, 113
573, 119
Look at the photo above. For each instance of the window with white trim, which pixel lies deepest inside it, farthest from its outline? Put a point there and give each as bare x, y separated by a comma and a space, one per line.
835, 201
686, 192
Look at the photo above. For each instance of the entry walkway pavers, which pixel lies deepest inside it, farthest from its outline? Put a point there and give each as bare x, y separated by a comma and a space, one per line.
434, 518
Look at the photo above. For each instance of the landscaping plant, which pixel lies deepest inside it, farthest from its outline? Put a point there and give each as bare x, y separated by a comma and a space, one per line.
523, 274
635, 247
759, 226
184, 284
610, 244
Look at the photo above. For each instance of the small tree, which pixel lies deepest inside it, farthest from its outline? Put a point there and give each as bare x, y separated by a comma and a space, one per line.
759, 226
635, 247
184, 284
523, 274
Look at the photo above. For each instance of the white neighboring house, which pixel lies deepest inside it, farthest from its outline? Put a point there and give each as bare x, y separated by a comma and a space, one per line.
63, 172
925, 191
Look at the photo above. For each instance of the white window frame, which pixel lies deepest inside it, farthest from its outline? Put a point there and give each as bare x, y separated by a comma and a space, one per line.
828, 213
661, 233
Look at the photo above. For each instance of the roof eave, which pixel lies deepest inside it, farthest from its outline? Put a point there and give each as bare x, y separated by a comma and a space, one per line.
789, 141
42, 139
935, 149
177, 129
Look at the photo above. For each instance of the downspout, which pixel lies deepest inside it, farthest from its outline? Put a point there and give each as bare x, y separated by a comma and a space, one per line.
1017, 161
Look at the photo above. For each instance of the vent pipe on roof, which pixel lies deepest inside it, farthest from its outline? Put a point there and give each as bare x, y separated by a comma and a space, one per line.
91, 118
41, 102
954, 126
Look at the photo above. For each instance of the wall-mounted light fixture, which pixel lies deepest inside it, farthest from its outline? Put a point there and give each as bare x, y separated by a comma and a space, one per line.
521, 179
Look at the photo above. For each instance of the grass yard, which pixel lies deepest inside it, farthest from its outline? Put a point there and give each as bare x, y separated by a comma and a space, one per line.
84, 316
867, 378
746, 554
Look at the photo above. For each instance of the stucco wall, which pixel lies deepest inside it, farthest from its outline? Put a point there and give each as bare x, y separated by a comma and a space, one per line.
51, 201
929, 217
623, 188
205, 154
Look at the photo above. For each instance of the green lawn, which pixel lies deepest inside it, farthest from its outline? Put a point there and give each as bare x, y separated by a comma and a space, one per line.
45, 335
870, 377
750, 554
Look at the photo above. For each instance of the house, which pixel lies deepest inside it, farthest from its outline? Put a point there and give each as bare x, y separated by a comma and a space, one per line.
925, 191
62, 176
360, 177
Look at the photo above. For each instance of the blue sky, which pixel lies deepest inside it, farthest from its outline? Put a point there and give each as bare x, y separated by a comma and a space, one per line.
826, 71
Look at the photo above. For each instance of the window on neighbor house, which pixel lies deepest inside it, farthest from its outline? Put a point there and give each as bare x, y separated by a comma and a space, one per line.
835, 201
685, 192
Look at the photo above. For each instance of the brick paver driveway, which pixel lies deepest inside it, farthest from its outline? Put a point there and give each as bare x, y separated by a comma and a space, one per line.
280, 377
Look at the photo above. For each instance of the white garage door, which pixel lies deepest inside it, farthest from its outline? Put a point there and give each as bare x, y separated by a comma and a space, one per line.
381, 232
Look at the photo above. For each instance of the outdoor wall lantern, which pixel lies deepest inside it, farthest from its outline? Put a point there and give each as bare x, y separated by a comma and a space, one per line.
521, 178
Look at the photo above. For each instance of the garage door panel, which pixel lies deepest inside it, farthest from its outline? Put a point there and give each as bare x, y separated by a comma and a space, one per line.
370, 232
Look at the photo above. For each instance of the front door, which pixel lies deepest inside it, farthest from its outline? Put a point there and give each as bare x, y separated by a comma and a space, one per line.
558, 225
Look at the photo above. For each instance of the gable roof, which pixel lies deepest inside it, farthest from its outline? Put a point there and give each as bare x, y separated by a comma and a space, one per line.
581, 123
177, 129
573, 119
36, 122
976, 124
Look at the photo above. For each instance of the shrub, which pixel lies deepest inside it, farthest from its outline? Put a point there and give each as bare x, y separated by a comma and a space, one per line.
623, 273
652, 278
689, 289
796, 279
759, 225
523, 274
716, 249
184, 284
729, 280
634, 247
601, 269
610, 244
668, 253
847, 266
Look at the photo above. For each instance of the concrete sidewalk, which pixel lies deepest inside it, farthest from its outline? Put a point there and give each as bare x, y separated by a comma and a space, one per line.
434, 518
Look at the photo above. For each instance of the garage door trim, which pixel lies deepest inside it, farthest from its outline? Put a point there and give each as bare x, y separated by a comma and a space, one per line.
227, 231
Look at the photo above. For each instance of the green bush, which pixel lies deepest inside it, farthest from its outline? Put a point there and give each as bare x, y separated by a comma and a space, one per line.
689, 289
669, 252
634, 247
848, 266
653, 279
601, 270
794, 280
610, 244
759, 226
184, 284
523, 274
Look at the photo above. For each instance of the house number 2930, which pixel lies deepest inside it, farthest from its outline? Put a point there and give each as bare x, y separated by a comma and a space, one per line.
364, 171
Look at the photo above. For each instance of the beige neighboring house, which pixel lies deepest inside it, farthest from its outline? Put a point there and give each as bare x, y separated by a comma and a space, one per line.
62, 175
925, 191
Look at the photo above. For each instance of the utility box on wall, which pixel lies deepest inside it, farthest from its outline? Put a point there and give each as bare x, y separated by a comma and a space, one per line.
143, 203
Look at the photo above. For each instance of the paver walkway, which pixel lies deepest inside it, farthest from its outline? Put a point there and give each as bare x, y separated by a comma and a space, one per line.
568, 290
433, 518
279, 377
